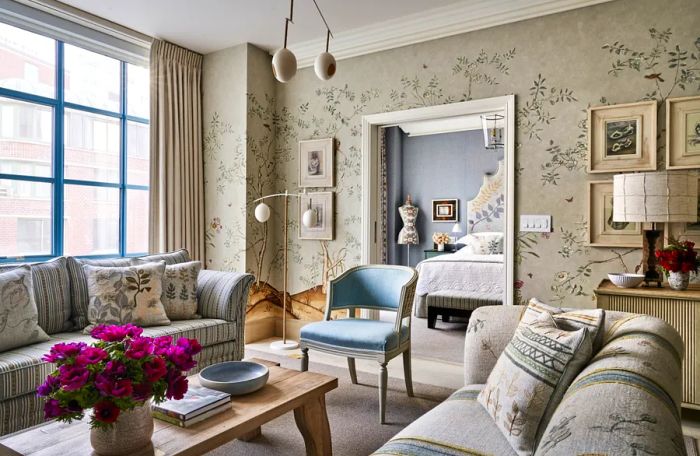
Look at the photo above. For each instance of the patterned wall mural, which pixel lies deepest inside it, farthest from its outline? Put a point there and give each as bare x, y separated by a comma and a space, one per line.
557, 66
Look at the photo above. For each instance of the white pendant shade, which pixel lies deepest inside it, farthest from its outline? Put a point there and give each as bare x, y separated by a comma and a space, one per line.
284, 65
664, 196
262, 212
325, 66
309, 218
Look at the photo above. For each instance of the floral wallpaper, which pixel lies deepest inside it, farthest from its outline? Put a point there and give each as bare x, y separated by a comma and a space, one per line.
557, 66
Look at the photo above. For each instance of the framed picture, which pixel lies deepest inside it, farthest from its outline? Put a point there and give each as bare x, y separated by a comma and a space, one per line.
684, 231
323, 230
683, 133
446, 210
602, 230
622, 138
316, 163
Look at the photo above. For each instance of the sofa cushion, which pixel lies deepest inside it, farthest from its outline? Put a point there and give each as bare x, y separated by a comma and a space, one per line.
176, 257
354, 333
19, 319
457, 427
530, 378
129, 294
627, 399
21, 369
78, 285
179, 296
569, 319
51, 294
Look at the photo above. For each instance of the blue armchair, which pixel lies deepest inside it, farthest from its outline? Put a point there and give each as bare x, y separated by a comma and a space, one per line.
375, 287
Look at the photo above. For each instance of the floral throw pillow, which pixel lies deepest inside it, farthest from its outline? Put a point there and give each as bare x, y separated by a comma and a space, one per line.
19, 318
180, 289
129, 294
486, 243
531, 377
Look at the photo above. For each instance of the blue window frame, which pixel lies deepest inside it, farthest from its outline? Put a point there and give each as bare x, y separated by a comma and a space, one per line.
56, 196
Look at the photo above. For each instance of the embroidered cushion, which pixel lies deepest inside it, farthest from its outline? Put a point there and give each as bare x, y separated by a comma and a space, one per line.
19, 319
129, 294
179, 289
51, 294
530, 378
569, 319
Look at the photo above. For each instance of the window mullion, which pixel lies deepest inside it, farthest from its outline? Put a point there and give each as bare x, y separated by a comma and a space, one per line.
58, 151
122, 163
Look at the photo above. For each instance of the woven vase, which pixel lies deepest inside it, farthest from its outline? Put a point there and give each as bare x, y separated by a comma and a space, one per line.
131, 432
678, 280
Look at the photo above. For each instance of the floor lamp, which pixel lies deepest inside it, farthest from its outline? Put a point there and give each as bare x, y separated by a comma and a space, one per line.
308, 219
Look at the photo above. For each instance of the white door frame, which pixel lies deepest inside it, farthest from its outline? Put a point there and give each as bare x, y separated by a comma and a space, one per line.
370, 170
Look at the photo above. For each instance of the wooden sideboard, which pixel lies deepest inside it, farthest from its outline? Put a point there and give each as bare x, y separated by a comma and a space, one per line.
680, 309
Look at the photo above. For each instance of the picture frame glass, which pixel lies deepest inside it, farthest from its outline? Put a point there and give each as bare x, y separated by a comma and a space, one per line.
323, 228
622, 137
316, 163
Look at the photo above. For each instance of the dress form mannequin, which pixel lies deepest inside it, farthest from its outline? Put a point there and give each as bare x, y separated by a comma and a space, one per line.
408, 234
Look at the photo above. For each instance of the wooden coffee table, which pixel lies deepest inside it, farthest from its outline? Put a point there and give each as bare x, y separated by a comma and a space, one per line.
286, 390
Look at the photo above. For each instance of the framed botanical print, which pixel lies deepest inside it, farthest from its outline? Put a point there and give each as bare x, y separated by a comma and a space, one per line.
316, 163
323, 229
445, 210
603, 231
683, 133
622, 137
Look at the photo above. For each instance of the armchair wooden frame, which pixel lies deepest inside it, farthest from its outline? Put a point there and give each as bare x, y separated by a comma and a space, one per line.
403, 311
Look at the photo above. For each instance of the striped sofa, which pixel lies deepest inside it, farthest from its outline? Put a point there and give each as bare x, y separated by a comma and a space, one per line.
625, 401
61, 296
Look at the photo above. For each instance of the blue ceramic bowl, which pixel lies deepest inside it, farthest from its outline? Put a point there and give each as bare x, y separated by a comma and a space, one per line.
234, 377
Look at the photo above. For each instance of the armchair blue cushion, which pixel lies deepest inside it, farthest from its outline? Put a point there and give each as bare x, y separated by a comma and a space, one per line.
355, 333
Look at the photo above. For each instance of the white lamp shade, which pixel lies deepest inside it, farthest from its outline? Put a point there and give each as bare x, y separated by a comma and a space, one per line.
664, 196
284, 65
325, 66
456, 228
262, 212
309, 218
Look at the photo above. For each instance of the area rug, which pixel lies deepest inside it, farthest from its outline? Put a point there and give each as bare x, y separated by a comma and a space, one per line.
353, 414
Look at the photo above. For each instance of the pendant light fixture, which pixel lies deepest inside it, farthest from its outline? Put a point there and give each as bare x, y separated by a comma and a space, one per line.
325, 65
284, 62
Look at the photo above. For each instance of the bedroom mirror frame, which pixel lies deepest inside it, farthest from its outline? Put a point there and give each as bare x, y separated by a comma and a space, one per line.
370, 173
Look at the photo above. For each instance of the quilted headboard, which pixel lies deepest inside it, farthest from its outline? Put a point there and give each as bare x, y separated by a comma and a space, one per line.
485, 212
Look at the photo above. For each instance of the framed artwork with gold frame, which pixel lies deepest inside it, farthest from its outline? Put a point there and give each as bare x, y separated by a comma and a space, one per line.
602, 230
683, 133
622, 137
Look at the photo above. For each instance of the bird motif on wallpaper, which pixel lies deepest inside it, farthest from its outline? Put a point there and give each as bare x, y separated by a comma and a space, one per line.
656, 76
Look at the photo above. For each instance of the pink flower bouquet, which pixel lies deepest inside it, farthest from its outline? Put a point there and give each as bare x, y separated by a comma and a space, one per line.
120, 371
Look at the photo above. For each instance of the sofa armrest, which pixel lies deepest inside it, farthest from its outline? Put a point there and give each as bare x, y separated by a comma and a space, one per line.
489, 331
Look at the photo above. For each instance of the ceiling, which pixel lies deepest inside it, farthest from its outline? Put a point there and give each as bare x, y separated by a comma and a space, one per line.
210, 25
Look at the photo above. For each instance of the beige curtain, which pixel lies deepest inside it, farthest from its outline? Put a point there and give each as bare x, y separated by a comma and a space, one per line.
177, 177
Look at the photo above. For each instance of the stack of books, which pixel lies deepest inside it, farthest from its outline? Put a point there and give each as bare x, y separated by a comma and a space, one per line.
198, 404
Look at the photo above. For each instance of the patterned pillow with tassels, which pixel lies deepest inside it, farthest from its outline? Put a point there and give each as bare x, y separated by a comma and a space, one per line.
530, 378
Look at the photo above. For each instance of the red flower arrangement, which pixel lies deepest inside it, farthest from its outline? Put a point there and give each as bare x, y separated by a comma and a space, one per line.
678, 257
119, 372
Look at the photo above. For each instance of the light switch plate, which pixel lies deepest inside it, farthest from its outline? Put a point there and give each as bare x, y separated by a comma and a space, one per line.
536, 223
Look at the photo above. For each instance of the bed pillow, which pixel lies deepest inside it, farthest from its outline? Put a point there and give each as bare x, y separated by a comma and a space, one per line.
19, 322
486, 243
569, 319
179, 296
530, 379
129, 294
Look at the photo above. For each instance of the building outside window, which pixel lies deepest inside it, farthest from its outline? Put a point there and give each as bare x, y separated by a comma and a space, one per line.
74, 150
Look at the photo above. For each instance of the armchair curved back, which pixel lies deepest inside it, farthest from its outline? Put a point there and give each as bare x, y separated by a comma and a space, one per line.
380, 287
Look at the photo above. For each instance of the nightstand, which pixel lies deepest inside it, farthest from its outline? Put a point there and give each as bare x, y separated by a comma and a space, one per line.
680, 309
433, 253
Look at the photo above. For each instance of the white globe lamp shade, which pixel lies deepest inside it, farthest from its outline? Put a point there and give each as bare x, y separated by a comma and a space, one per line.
262, 212
309, 218
284, 65
325, 66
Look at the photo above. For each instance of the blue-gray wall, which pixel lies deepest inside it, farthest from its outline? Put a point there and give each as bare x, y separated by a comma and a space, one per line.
449, 165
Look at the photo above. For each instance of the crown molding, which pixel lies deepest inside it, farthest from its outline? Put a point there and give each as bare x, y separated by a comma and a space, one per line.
441, 22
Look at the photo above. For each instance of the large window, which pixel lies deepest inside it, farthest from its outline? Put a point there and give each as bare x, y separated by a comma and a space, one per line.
74, 150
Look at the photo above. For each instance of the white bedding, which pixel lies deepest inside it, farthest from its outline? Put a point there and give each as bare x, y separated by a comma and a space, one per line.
461, 271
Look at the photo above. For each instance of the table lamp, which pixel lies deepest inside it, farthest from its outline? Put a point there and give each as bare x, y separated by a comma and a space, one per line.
456, 231
656, 197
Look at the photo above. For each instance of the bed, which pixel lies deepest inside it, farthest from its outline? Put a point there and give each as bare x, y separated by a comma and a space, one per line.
466, 279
